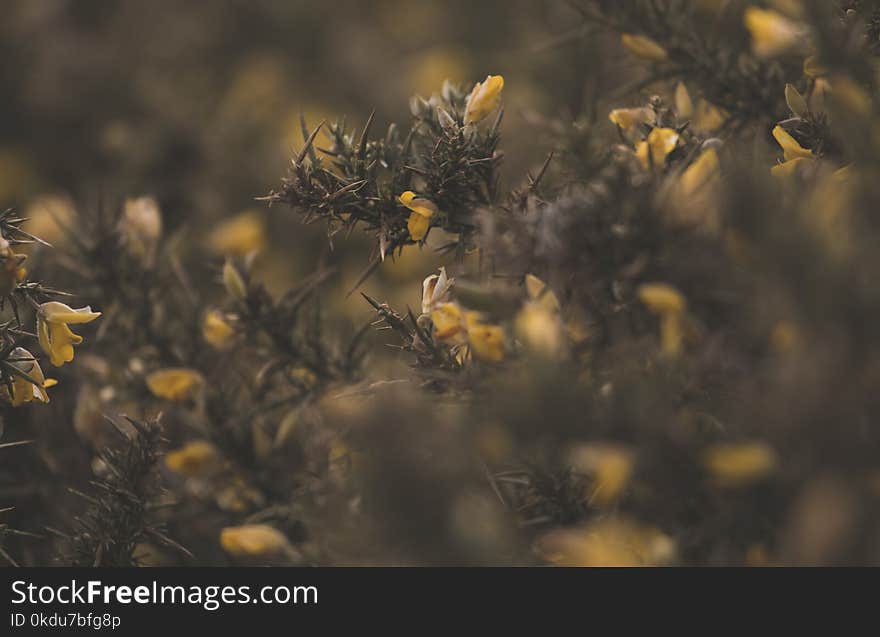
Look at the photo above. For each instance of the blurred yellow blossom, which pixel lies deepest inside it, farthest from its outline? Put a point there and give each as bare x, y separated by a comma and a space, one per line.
216, 330
667, 302
609, 464
613, 541
198, 458
739, 464
420, 218
141, 227
630, 118
175, 383
253, 540
239, 236
485, 340
448, 320
483, 99
684, 106
654, 150
55, 337
772, 33
643, 47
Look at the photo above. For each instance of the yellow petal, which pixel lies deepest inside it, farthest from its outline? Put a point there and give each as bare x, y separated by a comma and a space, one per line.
540, 330
194, 459
417, 225
174, 383
628, 118
772, 33
484, 98
684, 106
448, 321
240, 235
660, 142
662, 298
55, 312
643, 47
789, 168
486, 341
216, 330
702, 172
790, 147
739, 464
538, 291
253, 540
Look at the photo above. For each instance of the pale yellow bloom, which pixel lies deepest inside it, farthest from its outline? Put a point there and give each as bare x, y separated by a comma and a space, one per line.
629, 118
772, 33
610, 541
216, 330
253, 540
739, 464
484, 98
643, 47
707, 117
24, 391
702, 173
420, 218
654, 150
610, 465
198, 458
667, 302
55, 337
175, 383
691, 199
486, 341
540, 330
448, 320
240, 235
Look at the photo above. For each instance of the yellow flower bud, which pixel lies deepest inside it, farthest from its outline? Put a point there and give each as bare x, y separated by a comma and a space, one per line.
790, 147
684, 106
448, 321
23, 390
484, 98
486, 341
629, 118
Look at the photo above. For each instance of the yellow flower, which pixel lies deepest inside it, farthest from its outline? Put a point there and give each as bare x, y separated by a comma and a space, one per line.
702, 173
448, 321
540, 330
12, 270
55, 337
643, 47
660, 142
175, 383
253, 540
216, 330
486, 341
707, 117
667, 302
240, 235
23, 390
484, 98
791, 149
739, 464
195, 459
611, 466
420, 217
629, 118
684, 105
609, 541
772, 33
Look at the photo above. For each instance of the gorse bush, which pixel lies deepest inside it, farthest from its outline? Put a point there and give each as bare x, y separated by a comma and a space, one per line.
656, 346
